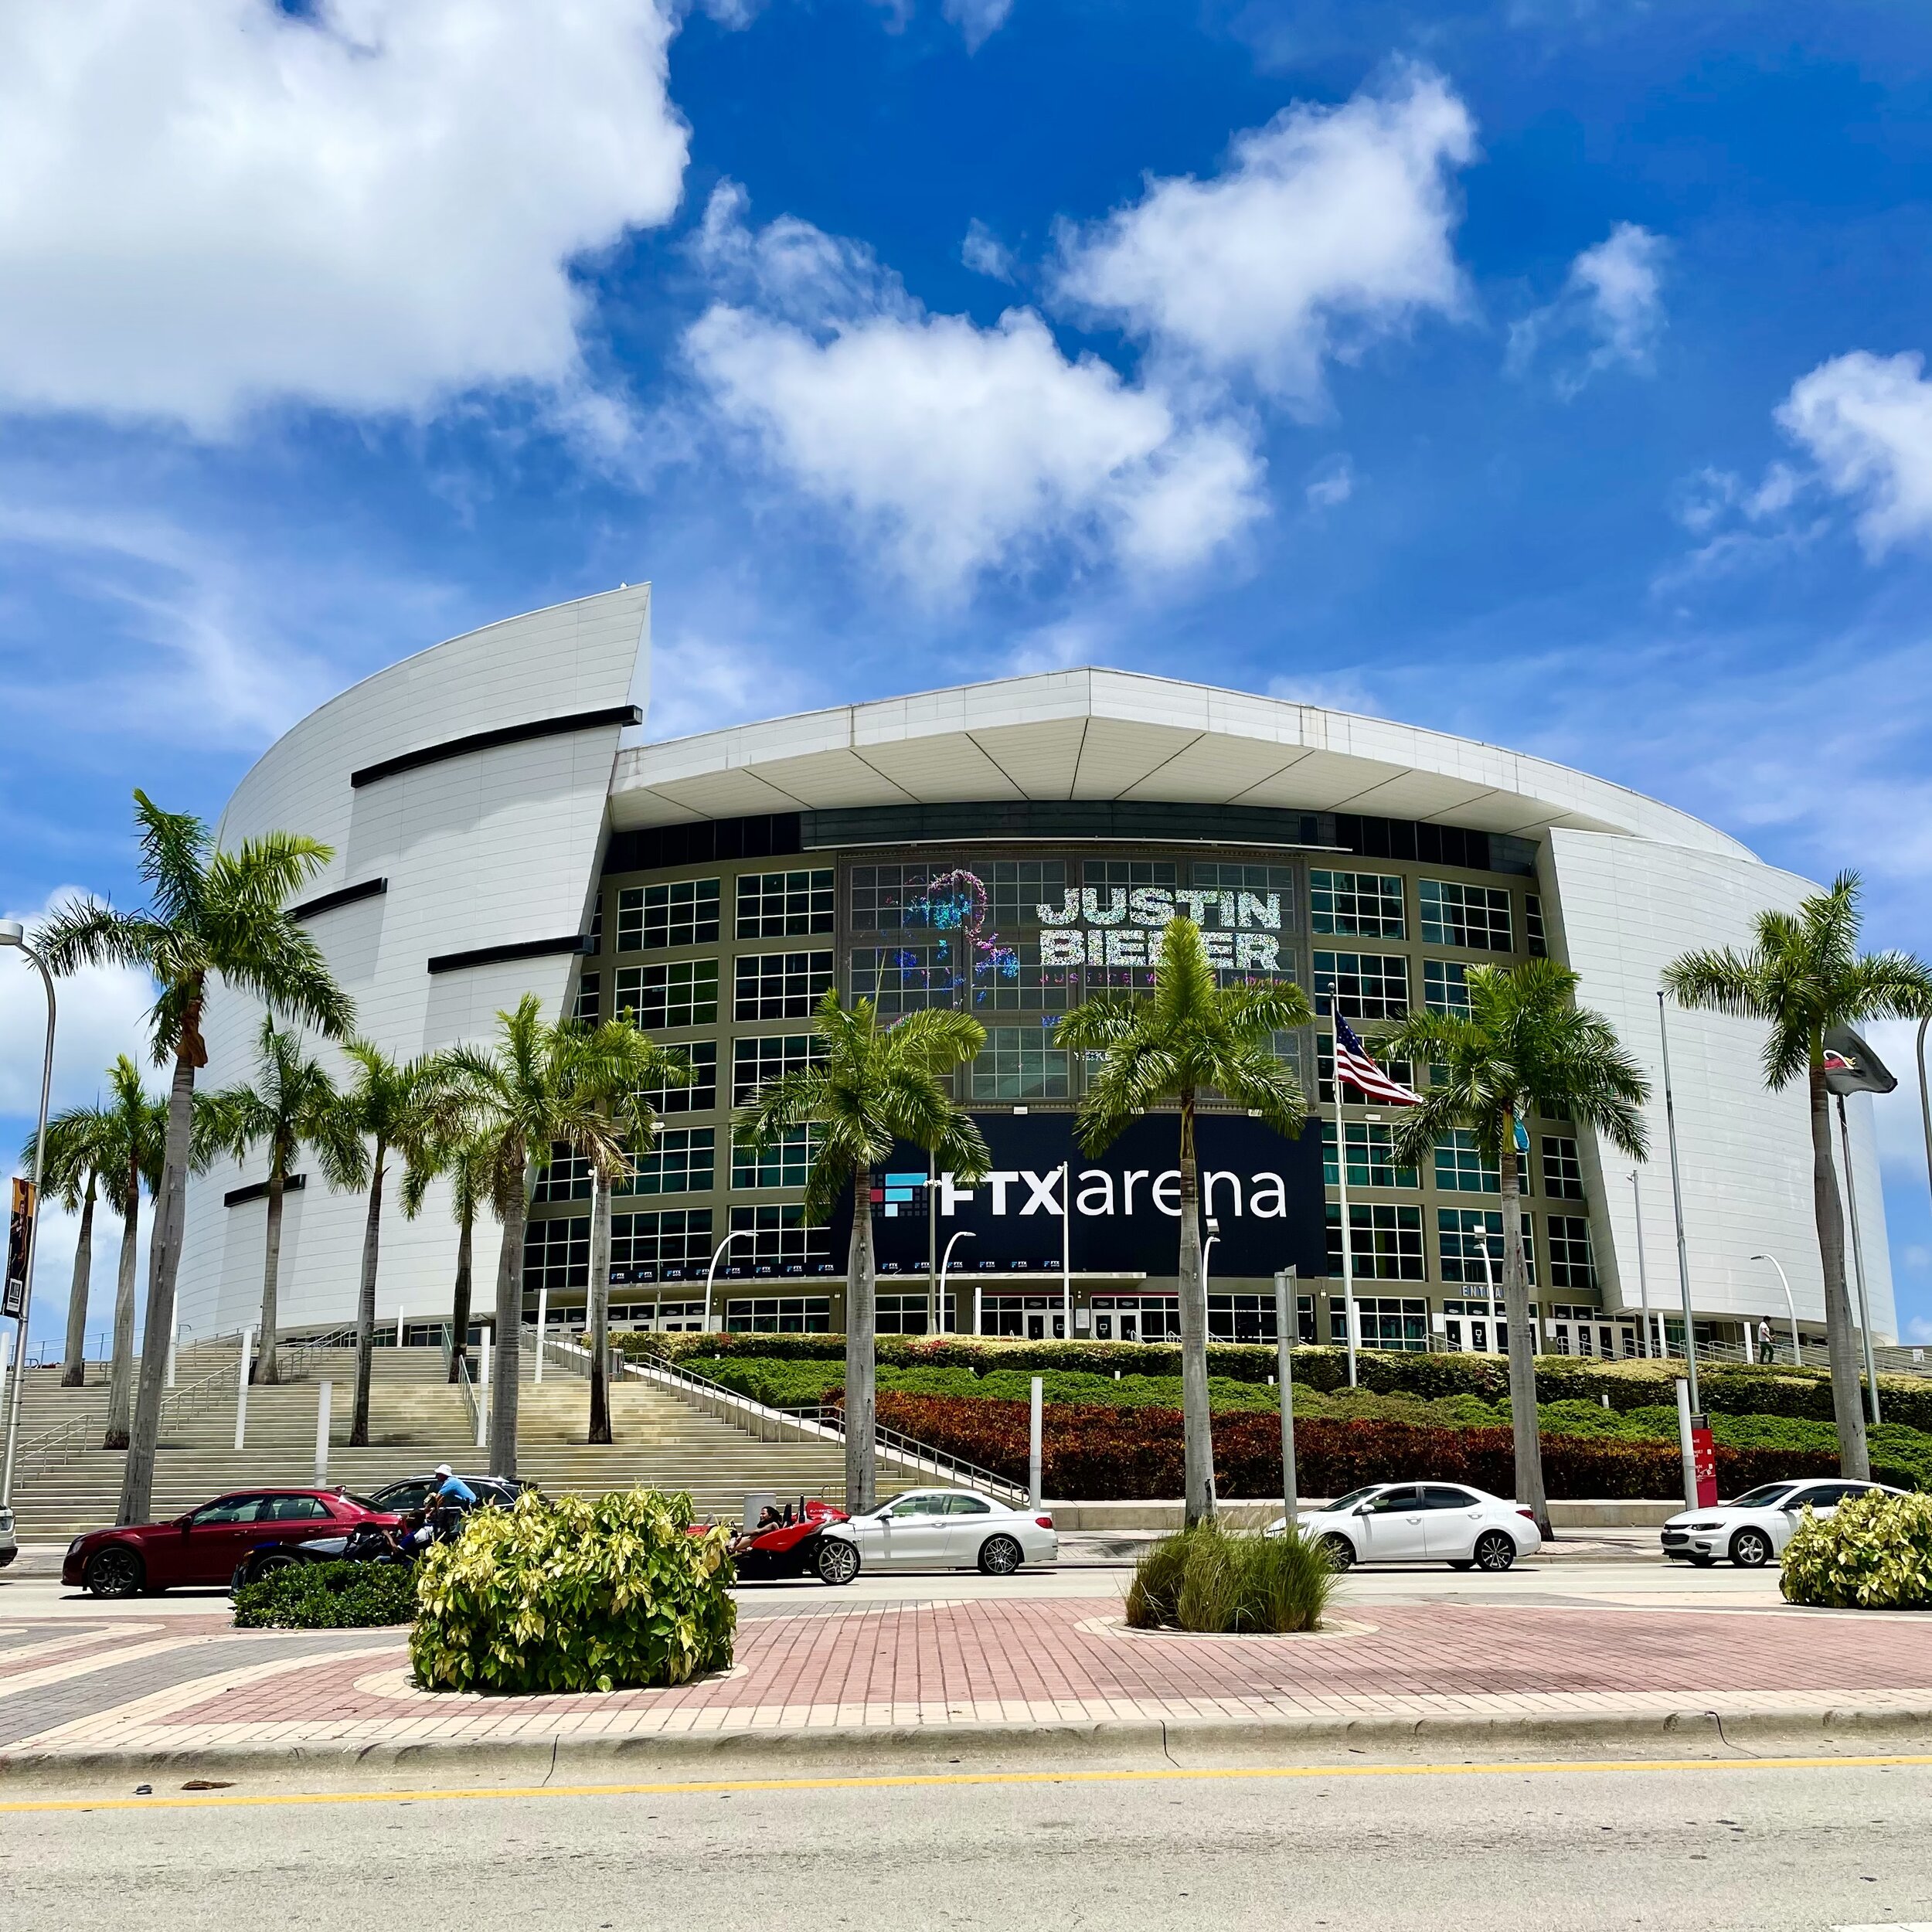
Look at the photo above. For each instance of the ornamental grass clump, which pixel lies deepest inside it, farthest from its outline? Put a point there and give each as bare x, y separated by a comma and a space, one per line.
1205, 1579
1874, 1552
577, 1594
338, 1596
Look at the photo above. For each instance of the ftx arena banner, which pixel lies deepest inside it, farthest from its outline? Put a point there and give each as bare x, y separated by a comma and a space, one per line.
1263, 1190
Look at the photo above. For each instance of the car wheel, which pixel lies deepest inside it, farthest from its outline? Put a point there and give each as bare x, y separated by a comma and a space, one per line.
115, 1572
837, 1561
1495, 1550
1338, 1550
1750, 1549
999, 1557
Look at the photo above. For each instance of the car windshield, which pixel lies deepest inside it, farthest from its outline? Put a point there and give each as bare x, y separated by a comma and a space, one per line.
1355, 1496
1766, 1496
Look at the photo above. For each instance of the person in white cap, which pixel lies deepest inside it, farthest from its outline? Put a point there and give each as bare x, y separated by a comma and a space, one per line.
452, 1487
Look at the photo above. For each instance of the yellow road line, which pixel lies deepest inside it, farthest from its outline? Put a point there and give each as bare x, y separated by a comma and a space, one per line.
1173, 1774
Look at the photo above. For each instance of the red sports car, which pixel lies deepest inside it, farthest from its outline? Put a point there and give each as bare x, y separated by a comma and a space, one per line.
799, 1548
204, 1547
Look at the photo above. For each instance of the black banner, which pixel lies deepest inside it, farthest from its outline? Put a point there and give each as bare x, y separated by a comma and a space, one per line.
13, 1298
1264, 1192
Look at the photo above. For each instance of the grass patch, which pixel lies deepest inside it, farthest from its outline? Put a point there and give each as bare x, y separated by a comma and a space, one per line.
1208, 1580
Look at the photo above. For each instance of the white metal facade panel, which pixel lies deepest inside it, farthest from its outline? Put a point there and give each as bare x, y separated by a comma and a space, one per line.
1627, 908
485, 849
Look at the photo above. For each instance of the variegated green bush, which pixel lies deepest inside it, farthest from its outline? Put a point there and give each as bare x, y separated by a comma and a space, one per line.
577, 1594
1874, 1552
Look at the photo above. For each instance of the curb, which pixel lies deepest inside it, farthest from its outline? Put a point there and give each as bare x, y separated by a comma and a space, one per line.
1121, 1743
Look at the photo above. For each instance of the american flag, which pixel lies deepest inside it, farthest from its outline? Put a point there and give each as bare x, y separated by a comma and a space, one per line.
1352, 1064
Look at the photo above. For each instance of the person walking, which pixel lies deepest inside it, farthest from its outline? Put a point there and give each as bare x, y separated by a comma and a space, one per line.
1766, 1347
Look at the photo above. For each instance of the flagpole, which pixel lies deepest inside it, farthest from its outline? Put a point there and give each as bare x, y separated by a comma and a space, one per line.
1347, 1245
1677, 1209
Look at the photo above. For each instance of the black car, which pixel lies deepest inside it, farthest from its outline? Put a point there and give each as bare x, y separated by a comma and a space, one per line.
414, 1492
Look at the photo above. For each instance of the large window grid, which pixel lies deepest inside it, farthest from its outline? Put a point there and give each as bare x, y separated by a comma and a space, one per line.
780, 905
779, 1238
1461, 1166
780, 986
1356, 905
1021, 887
891, 899
1463, 1233
766, 1057
683, 913
1445, 986
556, 1254
702, 1095
1532, 924
1562, 1167
567, 1177
1476, 916
681, 1160
1384, 1240
786, 1163
906, 978
1016, 1063
779, 1314
1361, 985
683, 993
1572, 1265
642, 1246
1129, 872
1383, 1321
586, 1008
1014, 981
1262, 882
1371, 1159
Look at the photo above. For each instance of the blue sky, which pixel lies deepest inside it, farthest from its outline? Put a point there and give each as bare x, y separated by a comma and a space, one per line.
1547, 372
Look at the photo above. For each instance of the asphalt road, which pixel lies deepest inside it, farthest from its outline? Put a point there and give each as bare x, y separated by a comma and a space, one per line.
1578, 1847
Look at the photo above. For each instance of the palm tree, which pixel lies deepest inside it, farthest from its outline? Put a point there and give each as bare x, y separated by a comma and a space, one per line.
293, 1103
465, 1158
388, 1106
1187, 1035
618, 1064
78, 1159
528, 1092
873, 1086
1804, 976
211, 913
140, 1142
1524, 1047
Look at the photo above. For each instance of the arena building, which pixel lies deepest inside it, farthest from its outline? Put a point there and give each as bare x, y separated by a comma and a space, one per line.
501, 823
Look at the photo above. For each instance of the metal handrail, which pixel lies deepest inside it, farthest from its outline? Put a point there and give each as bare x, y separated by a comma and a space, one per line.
821, 1422
465, 1377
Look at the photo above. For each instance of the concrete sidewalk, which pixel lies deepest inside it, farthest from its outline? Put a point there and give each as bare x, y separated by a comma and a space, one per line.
924, 1681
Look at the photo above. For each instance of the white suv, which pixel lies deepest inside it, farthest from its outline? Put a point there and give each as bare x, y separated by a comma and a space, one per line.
1755, 1528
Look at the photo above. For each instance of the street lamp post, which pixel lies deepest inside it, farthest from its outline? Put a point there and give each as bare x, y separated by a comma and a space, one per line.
964, 1234
711, 1273
1643, 1272
13, 933
1797, 1347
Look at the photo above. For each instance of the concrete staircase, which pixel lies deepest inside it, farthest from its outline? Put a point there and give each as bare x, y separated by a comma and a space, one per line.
417, 1420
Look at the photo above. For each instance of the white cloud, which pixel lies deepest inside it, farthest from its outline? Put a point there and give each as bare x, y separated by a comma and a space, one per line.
977, 20
1329, 227
1866, 420
954, 448
1332, 483
984, 253
102, 1011
1612, 300
210, 203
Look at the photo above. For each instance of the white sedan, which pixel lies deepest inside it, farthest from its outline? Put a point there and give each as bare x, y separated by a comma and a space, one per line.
1755, 1528
949, 1529
1420, 1522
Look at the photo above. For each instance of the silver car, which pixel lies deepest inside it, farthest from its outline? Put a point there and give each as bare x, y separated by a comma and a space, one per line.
1755, 1528
949, 1529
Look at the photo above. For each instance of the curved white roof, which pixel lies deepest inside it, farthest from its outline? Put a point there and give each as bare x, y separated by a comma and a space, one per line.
1097, 734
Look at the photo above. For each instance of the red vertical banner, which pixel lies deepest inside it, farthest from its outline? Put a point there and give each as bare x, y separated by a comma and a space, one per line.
1704, 1461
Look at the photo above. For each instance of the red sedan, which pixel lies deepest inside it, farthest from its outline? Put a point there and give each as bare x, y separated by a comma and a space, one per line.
204, 1547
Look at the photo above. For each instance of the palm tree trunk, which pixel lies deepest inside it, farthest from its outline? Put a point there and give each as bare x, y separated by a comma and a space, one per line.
1522, 1339
1848, 1401
120, 1373
164, 1266
365, 1305
460, 1298
862, 1355
599, 1337
266, 1371
509, 1339
74, 1370
1198, 1428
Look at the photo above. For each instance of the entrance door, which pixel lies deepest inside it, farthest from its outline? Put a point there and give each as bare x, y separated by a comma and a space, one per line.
1130, 1327
1039, 1326
1393, 1525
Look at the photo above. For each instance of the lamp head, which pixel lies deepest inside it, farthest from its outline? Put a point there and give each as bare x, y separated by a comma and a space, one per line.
1213, 1226
1760, 1257
12, 932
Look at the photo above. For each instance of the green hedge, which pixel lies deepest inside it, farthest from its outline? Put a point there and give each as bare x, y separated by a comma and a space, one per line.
1873, 1551
1726, 1387
337, 1595
575, 1594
